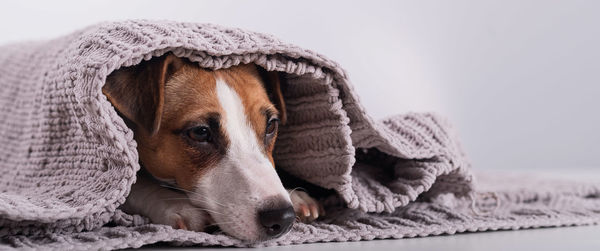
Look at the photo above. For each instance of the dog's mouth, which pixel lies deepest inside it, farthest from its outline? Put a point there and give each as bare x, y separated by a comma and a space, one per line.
211, 226
270, 218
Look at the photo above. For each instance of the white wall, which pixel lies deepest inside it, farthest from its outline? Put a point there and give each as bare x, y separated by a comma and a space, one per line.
519, 79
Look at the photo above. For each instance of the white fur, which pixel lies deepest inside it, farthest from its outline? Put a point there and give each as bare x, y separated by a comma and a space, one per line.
245, 177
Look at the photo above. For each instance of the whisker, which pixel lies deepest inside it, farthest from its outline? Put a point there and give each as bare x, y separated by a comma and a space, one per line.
176, 199
205, 201
204, 209
187, 198
192, 192
211, 211
176, 188
221, 223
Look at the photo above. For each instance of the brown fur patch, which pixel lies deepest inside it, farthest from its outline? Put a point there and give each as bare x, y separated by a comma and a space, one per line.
190, 99
249, 86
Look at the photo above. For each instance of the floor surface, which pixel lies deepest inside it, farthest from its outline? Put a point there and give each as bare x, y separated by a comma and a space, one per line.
582, 238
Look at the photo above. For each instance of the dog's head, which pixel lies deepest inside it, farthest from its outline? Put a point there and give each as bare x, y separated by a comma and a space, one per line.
211, 133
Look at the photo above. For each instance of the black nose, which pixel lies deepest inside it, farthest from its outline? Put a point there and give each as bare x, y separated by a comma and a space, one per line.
277, 221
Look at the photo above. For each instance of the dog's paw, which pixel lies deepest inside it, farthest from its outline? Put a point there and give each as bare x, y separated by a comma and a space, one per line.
183, 215
307, 208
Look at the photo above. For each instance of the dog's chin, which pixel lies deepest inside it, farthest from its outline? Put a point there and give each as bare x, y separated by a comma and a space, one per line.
241, 225
239, 222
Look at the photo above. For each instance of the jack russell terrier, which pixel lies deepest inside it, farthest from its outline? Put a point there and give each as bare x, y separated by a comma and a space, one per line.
211, 135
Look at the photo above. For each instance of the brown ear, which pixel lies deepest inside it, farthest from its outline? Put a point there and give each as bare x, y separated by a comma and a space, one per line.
274, 83
137, 91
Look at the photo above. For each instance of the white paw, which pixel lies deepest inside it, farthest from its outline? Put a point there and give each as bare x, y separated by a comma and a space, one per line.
182, 214
307, 208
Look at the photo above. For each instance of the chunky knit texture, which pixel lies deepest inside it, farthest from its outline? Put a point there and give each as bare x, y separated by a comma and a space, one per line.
67, 160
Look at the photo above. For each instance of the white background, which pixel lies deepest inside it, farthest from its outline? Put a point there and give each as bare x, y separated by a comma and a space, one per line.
520, 80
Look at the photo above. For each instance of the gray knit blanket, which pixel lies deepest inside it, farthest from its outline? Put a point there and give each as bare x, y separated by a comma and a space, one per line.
67, 160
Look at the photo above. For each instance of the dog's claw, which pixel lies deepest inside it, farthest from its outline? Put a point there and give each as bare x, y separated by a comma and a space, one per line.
307, 208
180, 224
314, 211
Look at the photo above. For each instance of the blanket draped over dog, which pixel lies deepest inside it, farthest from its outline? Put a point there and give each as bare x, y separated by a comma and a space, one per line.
67, 160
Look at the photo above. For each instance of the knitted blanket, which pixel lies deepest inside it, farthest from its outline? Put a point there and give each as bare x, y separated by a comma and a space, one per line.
67, 160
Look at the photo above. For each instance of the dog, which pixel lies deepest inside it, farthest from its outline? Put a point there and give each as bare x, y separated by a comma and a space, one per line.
205, 140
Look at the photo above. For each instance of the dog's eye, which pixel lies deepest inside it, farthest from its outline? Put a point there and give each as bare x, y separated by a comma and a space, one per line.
199, 133
272, 126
